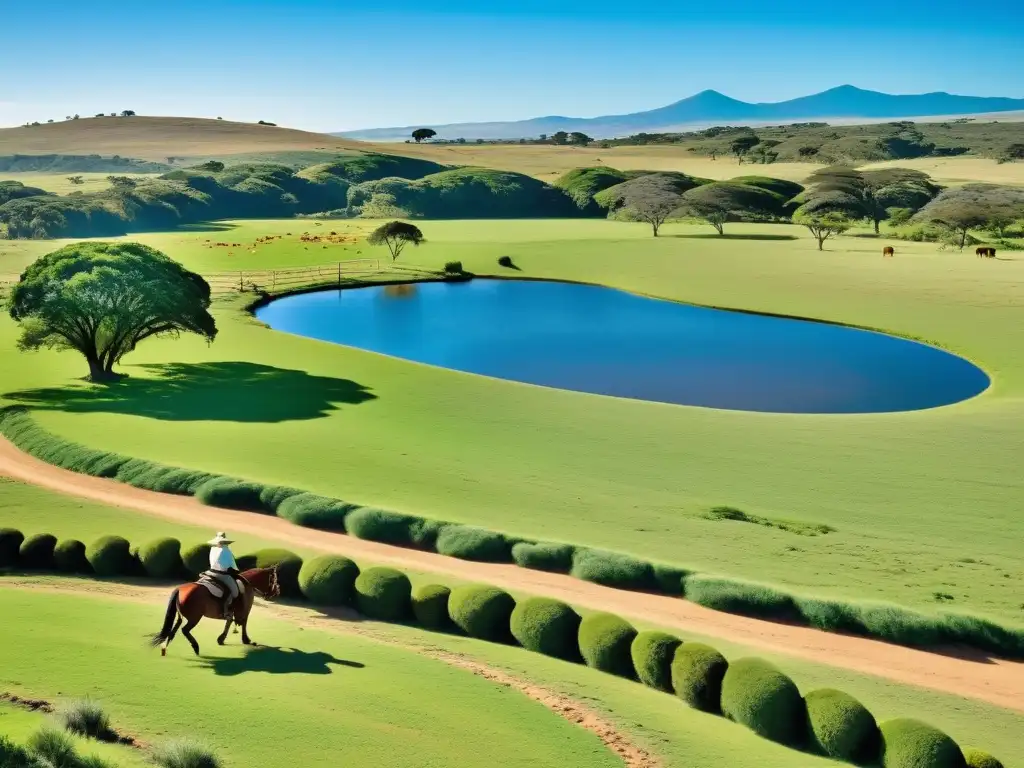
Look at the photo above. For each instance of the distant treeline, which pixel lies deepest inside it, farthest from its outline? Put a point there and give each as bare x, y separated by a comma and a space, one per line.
77, 164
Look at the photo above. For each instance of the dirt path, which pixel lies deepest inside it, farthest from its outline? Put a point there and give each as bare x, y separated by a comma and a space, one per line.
632, 755
965, 673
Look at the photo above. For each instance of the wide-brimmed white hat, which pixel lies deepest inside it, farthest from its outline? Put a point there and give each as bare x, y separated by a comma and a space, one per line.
219, 539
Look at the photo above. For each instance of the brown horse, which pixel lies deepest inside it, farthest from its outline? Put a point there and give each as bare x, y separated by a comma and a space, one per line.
888, 251
191, 602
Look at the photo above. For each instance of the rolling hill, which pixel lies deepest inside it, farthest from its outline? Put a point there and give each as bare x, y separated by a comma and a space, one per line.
713, 108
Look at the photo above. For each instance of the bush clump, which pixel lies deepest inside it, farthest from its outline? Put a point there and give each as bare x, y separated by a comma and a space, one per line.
384, 594
37, 552
53, 748
841, 727
759, 696
453, 268
605, 641
10, 545
69, 557
430, 606
196, 559
505, 261
228, 493
611, 569
547, 626
393, 528
543, 556
669, 579
329, 580
161, 558
86, 718
652, 654
184, 753
288, 566
910, 743
111, 556
697, 672
469, 543
13, 755
481, 611
312, 511
977, 759
744, 598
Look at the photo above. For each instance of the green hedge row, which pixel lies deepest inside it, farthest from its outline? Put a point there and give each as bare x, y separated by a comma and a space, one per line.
886, 622
748, 691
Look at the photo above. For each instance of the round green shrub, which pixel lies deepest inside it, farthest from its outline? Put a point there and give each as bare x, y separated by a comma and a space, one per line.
481, 611
329, 580
393, 528
910, 743
228, 493
312, 511
757, 695
469, 543
841, 727
977, 759
547, 626
543, 556
69, 557
430, 606
697, 672
161, 558
196, 559
652, 654
288, 566
37, 552
111, 556
605, 641
612, 569
10, 545
384, 594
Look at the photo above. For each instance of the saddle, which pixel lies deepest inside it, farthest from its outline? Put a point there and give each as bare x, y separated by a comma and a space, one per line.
214, 583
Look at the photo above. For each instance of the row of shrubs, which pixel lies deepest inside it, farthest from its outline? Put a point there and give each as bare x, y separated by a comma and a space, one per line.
876, 620
748, 691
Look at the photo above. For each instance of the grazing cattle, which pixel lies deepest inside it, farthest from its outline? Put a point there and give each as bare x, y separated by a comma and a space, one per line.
888, 251
981, 251
991, 253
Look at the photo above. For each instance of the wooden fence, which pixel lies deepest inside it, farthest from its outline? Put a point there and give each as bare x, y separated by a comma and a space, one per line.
277, 280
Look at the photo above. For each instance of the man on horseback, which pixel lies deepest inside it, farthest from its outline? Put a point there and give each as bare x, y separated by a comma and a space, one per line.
224, 568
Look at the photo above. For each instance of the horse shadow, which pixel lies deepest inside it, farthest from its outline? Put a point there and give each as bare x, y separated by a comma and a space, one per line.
216, 391
278, 661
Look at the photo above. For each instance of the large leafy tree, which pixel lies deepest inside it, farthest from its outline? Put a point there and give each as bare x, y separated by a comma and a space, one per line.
867, 194
423, 133
974, 207
723, 201
104, 299
654, 198
396, 235
822, 224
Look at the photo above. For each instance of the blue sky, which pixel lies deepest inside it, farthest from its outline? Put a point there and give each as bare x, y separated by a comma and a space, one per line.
323, 65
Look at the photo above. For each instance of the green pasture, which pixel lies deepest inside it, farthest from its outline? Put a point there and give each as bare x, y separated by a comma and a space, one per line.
925, 504
60, 183
308, 694
656, 720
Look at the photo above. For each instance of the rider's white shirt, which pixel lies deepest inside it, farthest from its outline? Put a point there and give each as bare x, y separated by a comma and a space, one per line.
221, 559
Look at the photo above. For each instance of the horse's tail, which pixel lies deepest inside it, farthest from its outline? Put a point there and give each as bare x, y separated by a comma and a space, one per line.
169, 616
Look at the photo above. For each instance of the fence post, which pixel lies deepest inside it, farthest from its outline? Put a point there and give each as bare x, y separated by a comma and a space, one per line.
339, 274
241, 276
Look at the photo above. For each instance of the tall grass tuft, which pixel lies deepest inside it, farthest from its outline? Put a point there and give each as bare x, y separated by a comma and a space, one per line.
86, 718
185, 753
53, 747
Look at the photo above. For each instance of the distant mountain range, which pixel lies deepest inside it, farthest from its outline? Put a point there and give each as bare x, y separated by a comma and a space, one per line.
713, 108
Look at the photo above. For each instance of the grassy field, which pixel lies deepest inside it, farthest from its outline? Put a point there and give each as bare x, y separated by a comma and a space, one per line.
60, 183
923, 503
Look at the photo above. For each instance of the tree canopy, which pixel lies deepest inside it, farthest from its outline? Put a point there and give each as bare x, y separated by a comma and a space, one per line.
724, 201
104, 299
654, 198
396, 235
973, 207
423, 133
822, 224
867, 194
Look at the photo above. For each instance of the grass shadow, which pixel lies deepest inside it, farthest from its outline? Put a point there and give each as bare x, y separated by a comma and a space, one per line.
728, 236
278, 661
206, 226
221, 391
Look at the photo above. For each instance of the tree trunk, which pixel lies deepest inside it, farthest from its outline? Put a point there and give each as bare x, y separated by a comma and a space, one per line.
654, 226
963, 238
719, 227
876, 226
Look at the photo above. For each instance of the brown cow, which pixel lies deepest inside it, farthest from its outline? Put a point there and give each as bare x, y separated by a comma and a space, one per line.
991, 253
888, 251
981, 251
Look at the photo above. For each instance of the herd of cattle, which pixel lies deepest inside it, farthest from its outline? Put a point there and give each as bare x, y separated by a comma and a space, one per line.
983, 251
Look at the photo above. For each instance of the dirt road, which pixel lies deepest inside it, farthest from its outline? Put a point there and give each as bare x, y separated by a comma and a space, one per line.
967, 674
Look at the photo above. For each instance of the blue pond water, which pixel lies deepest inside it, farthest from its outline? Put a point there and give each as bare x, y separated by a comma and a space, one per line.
608, 342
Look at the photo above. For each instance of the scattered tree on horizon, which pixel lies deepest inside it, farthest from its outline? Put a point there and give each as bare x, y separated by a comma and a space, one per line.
867, 194
127, 113
653, 199
122, 182
1015, 152
76, 180
560, 137
743, 144
421, 134
104, 299
396, 235
974, 207
576, 137
213, 166
822, 224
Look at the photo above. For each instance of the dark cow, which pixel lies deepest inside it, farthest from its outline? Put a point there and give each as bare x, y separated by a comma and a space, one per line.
888, 251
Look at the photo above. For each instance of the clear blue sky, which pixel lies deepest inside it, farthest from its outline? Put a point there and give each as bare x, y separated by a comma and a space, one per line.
332, 65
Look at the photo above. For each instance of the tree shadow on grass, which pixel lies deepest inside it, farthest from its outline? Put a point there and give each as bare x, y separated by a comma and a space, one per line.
278, 661
221, 391
728, 236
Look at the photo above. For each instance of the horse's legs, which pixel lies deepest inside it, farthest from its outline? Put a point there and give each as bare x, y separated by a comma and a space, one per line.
167, 640
224, 634
246, 640
187, 632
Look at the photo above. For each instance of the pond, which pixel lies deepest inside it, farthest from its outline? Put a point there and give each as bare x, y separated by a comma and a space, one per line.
609, 342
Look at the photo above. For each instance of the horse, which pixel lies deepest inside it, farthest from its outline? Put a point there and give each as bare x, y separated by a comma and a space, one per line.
191, 602
888, 251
